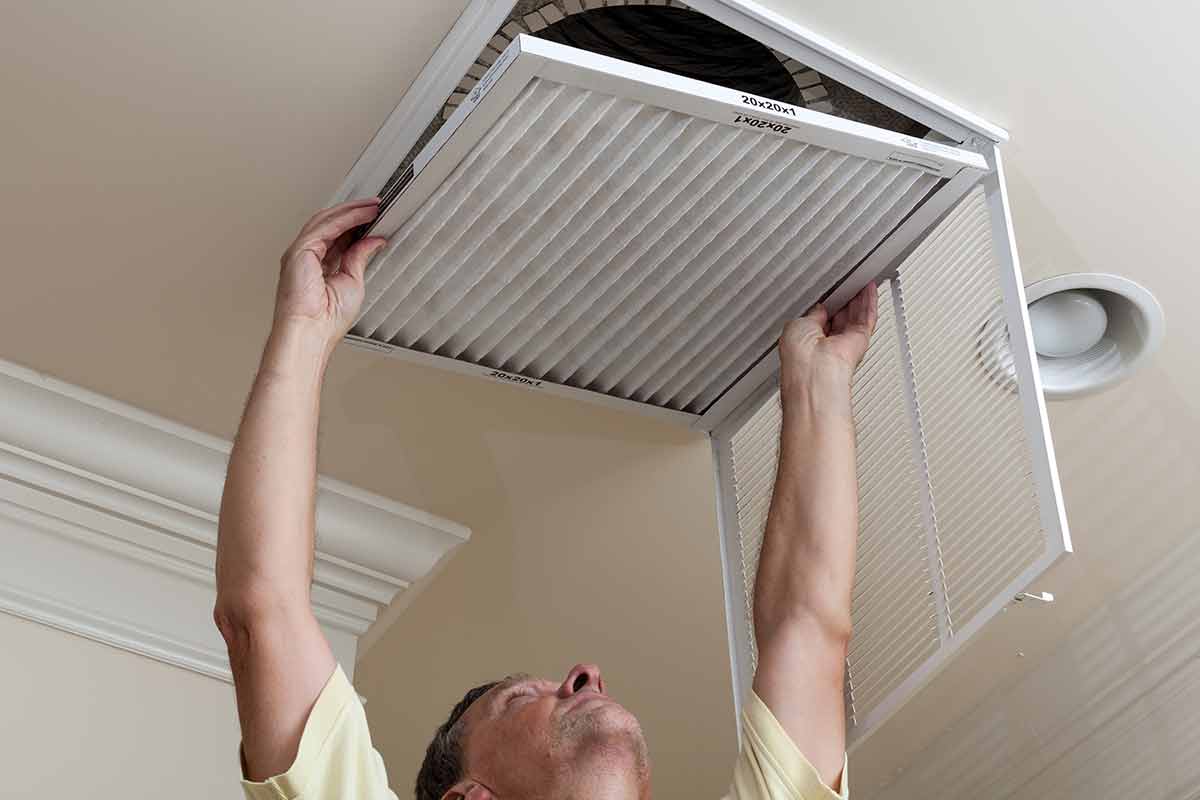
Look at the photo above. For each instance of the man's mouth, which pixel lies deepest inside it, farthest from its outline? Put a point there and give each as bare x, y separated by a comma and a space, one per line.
583, 699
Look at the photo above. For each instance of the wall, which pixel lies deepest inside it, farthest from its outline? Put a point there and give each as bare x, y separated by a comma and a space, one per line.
83, 719
593, 539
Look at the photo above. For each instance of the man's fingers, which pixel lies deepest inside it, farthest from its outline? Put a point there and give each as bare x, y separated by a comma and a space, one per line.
818, 314
325, 213
838, 325
337, 249
872, 306
359, 255
333, 226
866, 305
862, 311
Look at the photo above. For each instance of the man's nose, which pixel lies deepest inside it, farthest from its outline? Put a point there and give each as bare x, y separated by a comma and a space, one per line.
582, 677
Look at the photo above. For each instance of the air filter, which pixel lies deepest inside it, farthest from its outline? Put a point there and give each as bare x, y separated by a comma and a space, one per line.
595, 224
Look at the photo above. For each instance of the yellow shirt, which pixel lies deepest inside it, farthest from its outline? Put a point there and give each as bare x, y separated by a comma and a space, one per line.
336, 760
771, 767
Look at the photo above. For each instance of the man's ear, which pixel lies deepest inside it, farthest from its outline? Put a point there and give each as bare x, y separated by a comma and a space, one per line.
468, 789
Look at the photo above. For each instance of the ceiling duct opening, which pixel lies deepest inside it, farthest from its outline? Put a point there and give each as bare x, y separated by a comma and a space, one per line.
671, 37
684, 42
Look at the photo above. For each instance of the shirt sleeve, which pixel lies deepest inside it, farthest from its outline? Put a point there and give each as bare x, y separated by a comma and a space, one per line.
335, 759
771, 767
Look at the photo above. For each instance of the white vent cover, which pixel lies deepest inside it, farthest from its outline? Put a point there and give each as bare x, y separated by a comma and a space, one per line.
591, 223
951, 523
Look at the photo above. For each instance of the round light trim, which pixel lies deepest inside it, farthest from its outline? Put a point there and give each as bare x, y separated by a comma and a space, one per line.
1091, 331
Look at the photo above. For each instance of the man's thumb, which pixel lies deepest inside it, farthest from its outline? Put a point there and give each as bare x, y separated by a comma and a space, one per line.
359, 255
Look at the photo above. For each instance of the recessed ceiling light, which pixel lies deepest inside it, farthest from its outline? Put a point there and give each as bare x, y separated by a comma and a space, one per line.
1091, 330
1067, 324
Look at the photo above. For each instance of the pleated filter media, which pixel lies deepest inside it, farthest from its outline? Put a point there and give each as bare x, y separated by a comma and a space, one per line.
949, 512
605, 243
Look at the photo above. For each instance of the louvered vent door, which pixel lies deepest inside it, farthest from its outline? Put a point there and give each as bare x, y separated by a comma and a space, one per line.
587, 223
959, 507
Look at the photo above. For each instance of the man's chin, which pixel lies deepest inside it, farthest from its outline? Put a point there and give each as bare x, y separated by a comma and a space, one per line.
612, 727
612, 715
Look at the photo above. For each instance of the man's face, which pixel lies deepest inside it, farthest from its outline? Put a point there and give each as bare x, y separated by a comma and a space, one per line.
534, 738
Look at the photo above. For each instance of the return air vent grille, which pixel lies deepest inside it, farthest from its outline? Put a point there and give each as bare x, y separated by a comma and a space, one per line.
979, 462
607, 243
949, 513
895, 620
894, 607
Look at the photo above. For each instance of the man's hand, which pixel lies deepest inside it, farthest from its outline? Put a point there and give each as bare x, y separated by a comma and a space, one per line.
806, 567
321, 273
815, 347
277, 651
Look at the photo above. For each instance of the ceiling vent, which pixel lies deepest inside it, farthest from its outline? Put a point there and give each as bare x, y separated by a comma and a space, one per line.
635, 230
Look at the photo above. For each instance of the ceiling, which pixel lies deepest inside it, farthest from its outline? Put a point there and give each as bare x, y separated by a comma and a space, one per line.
157, 159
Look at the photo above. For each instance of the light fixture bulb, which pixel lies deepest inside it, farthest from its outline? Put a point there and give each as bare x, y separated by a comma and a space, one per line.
1067, 323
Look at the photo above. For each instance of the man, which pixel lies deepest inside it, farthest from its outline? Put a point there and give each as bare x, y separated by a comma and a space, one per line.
304, 733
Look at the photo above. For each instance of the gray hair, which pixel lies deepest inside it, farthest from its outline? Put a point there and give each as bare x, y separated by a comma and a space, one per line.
443, 764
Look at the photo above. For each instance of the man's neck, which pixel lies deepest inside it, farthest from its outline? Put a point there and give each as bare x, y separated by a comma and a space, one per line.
624, 779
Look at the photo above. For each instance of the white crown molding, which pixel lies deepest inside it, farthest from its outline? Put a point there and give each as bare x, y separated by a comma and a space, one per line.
108, 518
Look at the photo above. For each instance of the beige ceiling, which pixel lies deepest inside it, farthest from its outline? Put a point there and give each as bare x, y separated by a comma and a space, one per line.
156, 158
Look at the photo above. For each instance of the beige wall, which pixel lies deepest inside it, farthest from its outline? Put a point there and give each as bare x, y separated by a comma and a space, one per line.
594, 540
82, 719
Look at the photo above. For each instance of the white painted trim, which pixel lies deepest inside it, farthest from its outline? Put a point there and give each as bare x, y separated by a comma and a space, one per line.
109, 516
1029, 380
139, 639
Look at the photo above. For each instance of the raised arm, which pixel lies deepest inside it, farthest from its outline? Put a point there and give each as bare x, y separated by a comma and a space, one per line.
806, 568
278, 654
